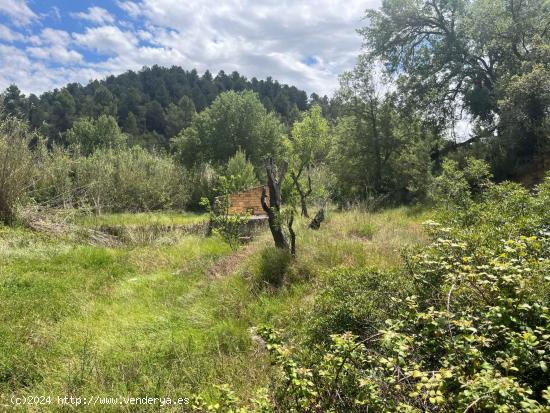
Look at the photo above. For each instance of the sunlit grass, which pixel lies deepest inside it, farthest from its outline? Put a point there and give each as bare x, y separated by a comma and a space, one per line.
151, 320
141, 219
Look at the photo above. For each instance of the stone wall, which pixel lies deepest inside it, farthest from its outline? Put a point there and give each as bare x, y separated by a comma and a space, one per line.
247, 201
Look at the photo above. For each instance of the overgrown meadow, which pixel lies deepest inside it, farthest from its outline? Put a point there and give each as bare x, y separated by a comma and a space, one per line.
171, 317
400, 260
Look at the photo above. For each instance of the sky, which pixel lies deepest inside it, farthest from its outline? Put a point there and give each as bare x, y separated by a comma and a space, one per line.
45, 44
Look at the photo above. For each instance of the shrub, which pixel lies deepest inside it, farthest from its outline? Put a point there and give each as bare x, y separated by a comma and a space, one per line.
16, 166
203, 182
130, 180
54, 181
456, 188
356, 301
273, 266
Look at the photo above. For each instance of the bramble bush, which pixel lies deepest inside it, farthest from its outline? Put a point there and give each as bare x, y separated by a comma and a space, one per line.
473, 335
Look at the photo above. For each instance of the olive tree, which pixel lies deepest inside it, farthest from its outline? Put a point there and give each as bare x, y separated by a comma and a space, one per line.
308, 147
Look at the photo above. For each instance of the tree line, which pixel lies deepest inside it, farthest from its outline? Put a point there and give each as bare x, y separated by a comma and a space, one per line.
382, 138
151, 105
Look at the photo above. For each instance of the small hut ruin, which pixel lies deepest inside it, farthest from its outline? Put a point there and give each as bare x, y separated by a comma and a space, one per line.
248, 201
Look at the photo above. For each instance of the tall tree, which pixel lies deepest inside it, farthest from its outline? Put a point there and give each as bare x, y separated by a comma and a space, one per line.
179, 116
309, 145
235, 120
461, 53
14, 103
381, 149
92, 134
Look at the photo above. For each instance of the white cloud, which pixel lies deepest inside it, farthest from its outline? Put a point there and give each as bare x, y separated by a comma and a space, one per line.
36, 76
56, 54
18, 11
54, 37
8, 35
54, 46
129, 7
304, 43
107, 40
95, 15
267, 38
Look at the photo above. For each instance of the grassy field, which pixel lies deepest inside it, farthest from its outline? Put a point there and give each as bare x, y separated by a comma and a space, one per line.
141, 219
165, 320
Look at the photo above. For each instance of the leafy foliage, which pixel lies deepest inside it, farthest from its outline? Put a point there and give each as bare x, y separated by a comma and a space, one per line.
240, 173
471, 334
91, 134
354, 301
235, 121
308, 147
381, 148
273, 266
448, 58
229, 226
130, 179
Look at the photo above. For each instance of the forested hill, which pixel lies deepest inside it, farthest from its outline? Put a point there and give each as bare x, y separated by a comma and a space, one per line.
151, 105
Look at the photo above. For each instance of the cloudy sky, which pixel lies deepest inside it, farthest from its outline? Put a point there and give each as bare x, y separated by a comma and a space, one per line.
47, 43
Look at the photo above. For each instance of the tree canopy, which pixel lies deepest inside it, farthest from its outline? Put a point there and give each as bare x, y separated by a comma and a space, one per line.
91, 134
451, 56
235, 121
152, 105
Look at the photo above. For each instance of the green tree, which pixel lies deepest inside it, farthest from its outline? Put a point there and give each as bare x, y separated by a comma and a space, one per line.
308, 146
240, 173
62, 112
130, 125
91, 134
14, 102
179, 117
104, 102
155, 119
381, 150
234, 121
472, 55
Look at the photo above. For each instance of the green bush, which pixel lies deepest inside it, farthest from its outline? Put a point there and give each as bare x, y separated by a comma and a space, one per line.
203, 182
273, 266
355, 301
53, 185
17, 165
130, 180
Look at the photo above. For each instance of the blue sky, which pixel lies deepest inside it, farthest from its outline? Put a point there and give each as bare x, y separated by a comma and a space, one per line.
46, 43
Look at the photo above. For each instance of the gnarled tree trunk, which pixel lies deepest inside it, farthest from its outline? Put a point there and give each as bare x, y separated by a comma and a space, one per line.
274, 179
303, 193
319, 217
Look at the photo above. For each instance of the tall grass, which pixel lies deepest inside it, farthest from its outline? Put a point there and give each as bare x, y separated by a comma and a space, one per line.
141, 219
148, 320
